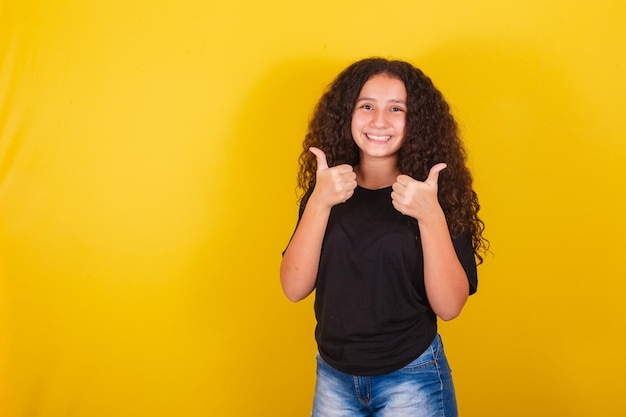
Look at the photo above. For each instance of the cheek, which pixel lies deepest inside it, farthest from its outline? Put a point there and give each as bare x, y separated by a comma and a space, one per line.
401, 124
355, 125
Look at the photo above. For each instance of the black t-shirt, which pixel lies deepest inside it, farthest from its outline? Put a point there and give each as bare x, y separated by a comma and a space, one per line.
372, 313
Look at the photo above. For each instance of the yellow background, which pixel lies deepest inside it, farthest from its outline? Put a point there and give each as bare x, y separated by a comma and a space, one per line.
147, 173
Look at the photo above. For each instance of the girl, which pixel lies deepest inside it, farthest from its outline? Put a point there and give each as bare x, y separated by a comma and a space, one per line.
388, 236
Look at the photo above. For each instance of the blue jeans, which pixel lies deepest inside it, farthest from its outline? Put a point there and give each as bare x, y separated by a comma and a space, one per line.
422, 388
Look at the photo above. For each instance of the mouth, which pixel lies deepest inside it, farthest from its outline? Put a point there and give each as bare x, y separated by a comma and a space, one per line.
378, 138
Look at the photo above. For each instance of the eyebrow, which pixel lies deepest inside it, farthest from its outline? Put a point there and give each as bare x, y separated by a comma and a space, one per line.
395, 100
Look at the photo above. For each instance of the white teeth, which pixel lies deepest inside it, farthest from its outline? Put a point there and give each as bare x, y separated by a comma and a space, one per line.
379, 138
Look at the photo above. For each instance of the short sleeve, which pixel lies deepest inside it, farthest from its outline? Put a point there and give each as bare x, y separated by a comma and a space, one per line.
300, 211
465, 252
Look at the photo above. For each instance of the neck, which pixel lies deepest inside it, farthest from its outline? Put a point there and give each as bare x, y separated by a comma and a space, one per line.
376, 174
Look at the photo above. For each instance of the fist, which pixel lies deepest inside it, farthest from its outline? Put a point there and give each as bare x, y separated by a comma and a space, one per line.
333, 185
416, 198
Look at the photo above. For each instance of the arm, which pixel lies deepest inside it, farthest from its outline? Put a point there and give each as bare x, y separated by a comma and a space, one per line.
298, 269
447, 286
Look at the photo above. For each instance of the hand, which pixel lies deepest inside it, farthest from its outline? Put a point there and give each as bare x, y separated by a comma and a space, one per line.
332, 185
415, 198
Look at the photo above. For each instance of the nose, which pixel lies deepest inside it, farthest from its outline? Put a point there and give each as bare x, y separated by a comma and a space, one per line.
379, 119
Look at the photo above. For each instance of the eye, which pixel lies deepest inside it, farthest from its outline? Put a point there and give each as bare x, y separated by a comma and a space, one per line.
367, 107
397, 109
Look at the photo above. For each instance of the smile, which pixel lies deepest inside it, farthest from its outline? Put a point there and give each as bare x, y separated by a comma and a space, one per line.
379, 138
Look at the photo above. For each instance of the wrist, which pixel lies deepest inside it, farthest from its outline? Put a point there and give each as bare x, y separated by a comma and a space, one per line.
317, 205
433, 218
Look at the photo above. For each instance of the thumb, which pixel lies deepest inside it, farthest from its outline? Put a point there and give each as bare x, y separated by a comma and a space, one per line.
321, 158
433, 175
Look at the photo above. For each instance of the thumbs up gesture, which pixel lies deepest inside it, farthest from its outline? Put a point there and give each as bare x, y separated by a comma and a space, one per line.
333, 185
416, 198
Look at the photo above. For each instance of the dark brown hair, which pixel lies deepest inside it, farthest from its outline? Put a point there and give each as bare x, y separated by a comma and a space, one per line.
431, 136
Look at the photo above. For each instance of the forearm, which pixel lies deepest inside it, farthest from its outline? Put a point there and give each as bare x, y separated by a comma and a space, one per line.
299, 266
447, 286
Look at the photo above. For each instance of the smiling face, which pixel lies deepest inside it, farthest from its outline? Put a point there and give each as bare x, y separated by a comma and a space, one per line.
379, 117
